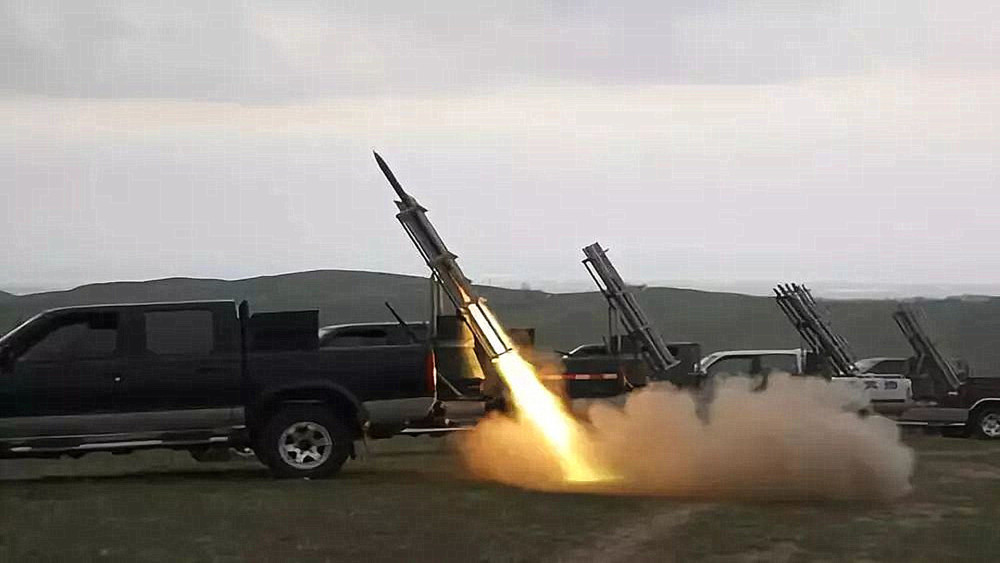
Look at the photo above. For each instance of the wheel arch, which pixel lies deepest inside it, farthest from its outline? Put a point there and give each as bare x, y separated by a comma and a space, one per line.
341, 402
976, 416
984, 403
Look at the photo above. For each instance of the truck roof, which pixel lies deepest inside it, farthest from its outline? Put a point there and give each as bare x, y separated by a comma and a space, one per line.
157, 304
385, 323
329, 328
116, 307
753, 352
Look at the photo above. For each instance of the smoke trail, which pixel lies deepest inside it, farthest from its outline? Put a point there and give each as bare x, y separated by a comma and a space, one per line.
794, 440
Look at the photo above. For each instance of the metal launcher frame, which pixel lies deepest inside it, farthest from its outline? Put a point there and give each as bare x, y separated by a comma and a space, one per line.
446, 272
654, 351
797, 303
941, 370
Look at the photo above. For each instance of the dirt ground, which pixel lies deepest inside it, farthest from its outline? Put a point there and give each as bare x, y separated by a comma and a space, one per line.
410, 501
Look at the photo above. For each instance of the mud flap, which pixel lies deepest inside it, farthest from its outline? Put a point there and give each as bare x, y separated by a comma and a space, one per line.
359, 449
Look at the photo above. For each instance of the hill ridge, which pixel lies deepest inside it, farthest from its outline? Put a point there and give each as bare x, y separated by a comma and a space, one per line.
967, 328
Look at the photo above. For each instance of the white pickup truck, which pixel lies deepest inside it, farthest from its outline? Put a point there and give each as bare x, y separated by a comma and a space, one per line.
888, 393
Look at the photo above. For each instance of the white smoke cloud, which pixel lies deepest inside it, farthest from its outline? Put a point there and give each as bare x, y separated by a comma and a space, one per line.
794, 440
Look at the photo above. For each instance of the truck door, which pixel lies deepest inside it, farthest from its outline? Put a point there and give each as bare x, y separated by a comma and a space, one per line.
60, 381
184, 370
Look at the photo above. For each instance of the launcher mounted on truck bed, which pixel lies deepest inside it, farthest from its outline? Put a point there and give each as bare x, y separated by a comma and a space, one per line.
944, 394
632, 359
831, 356
648, 341
798, 305
932, 374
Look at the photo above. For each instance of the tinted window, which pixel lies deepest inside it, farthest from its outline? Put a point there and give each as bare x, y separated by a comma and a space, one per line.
590, 350
782, 363
374, 335
893, 367
734, 365
356, 337
179, 332
399, 335
76, 337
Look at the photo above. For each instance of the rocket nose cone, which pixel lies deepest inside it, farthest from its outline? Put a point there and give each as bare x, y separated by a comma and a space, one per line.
390, 177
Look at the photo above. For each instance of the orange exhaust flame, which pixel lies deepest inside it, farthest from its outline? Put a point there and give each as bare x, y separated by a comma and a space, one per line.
543, 410
546, 413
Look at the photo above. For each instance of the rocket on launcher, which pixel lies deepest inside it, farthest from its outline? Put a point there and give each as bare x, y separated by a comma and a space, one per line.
442, 263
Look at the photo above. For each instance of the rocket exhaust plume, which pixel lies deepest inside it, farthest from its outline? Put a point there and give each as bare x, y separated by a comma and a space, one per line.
795, 440
535, 405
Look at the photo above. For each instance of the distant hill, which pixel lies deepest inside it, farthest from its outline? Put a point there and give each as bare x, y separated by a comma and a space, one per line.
5, 296
965, 327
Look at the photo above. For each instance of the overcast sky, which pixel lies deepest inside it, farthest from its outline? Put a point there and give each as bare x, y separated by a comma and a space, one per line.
699, 139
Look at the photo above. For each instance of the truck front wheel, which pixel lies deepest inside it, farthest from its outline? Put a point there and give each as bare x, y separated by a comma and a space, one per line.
987, 423
304, 441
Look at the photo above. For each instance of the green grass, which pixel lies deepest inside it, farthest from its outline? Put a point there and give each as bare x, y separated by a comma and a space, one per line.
410, 501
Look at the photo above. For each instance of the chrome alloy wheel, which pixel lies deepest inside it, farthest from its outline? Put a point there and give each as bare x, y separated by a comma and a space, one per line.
305, 445
990, 425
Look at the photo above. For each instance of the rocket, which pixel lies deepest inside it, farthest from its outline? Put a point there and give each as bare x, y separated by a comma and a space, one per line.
444, 265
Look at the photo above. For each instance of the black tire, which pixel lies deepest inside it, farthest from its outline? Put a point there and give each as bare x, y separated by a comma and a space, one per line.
986, 423
301, 441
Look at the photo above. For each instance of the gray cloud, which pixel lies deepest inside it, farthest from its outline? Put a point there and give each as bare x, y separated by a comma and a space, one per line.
186, 50
709, 139
271, 51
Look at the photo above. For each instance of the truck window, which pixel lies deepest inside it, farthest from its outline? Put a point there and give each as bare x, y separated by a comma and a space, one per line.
733, 365
77, 337
397, 335
356, 337
779, 363
180, 332
891, 367
590, 350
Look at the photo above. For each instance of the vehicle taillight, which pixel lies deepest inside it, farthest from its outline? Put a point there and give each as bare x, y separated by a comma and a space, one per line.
431, 375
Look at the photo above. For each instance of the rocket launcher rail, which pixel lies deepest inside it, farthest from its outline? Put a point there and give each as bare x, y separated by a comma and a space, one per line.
942, 371
631, 316
443, 264
797, 303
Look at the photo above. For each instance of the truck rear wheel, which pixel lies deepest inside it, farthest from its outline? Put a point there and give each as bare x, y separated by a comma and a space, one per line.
987, 423
304, 441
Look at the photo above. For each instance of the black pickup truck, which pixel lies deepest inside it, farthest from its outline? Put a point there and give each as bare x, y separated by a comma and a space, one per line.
203, 376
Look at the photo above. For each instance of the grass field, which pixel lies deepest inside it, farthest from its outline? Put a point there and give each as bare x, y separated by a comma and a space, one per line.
409, 501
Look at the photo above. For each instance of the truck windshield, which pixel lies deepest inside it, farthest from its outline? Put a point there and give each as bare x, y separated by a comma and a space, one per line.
10, 335
707, 360
589, 350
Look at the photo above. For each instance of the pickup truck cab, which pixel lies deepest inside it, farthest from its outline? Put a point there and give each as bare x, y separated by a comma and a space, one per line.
887, 392
201, 376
